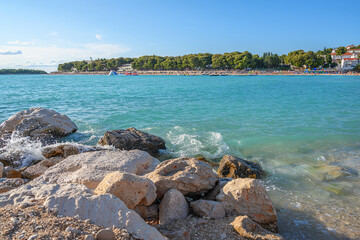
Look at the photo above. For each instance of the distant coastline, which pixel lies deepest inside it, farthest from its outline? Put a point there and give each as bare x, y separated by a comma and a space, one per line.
211, 73
21, 71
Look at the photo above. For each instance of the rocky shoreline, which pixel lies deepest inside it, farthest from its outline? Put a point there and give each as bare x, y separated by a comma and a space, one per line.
120, 190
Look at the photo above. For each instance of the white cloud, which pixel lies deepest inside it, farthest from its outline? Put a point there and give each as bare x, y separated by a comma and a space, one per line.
11, 52
48, 57
21, 43
98, 36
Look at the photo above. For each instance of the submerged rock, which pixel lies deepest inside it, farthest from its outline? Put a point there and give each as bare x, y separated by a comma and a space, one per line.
235, 167
90, 168
249, 229
72, 200
173, 206
130, 188
38, 123
132, 138
326, 172
247, 196
188, 175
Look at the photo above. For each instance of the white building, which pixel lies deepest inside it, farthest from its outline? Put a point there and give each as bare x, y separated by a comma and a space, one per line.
349, 63
125, 67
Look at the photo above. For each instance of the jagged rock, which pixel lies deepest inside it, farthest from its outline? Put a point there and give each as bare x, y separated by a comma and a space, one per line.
1, 169
38, 123
130, 188
188, 175
71, 200
211, 195
66, 150
251, 230
247, 196
173, 206
90, 168
105, 234
208, 209
132, 138
148, 212
235, 167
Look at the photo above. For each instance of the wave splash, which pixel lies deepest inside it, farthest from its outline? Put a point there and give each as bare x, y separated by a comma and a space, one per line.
190, 143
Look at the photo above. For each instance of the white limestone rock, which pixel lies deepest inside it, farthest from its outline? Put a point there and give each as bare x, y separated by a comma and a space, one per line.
173, 206
90, 168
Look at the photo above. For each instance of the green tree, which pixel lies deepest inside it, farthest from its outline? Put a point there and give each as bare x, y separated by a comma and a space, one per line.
341, 50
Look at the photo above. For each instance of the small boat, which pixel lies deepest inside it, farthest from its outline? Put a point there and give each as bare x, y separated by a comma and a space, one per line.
112, 73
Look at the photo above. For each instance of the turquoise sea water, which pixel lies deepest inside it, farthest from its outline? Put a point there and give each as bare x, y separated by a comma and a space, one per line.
303, 130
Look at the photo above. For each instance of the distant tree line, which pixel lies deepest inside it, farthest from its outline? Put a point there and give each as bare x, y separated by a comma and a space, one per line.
207, 61
21, 71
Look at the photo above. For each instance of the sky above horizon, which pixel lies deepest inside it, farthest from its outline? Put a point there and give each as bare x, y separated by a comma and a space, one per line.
41, 34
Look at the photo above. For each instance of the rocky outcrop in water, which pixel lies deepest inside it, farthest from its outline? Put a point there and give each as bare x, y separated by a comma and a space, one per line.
187, 175
133, 190
38, 123
90, 168
132, 138
234, 167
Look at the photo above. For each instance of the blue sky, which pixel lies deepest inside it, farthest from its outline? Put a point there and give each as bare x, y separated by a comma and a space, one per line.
41, 34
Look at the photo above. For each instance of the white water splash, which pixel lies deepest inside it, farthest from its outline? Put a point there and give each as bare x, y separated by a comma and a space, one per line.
22, 150
210, 145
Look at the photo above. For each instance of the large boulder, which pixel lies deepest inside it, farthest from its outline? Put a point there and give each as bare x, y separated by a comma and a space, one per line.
41, 167
90, 168
130, 188
76, 200
173, 206
132, 138
208, 209
247, 196
188, 175
38, 123
150, 212
235, 167
251, 230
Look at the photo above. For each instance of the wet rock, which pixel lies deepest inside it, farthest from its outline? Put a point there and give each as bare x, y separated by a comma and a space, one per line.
1, 169
105, 234
251, 230
72, 200
148, 212
90, 168
173, 206
130, 188
13, 174
62, 150
132, 138
247, 196
208, 209
188, 175
38, 123
235, 167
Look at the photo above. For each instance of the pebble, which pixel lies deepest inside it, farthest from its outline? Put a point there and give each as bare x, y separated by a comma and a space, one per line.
105, 234
32, 237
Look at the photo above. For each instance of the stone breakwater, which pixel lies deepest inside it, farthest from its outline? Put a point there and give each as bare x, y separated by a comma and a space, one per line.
126, 187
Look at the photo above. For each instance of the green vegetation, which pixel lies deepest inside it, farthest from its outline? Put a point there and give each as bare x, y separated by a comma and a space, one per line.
21, 71
355, 47
357, 68
207, 61
341, 50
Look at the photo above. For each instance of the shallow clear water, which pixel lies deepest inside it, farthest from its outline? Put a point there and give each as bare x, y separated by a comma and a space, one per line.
304, 130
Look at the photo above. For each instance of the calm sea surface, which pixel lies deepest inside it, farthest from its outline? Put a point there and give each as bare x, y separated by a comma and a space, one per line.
303, 130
